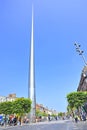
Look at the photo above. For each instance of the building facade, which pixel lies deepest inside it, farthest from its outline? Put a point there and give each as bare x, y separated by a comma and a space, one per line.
10, 97
46, 110
83, 80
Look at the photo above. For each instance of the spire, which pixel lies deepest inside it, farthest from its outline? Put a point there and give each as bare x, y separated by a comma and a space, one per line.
32, 84
32, 73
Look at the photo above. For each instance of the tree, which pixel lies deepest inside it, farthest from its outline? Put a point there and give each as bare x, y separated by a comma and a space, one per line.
21, 106
60, 114
76, 100
6, 108
44, 114
40, 113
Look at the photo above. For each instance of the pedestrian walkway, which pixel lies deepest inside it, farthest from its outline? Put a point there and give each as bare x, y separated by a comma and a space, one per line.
50, 125
31, 125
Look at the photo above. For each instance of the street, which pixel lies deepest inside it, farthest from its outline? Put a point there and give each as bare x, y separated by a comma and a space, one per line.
53, 125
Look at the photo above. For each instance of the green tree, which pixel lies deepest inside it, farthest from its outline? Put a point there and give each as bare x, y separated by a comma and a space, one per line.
40, 113
6, 108
21, 106
75, 101
60, 114
53, 115
44, 114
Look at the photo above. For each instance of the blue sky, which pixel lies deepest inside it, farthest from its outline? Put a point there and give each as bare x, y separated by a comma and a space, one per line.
57, 25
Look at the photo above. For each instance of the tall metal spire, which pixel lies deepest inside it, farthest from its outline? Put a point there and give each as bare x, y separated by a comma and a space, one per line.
32, 95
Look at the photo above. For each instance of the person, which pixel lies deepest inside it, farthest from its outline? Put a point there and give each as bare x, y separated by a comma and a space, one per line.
76, 119
49, 117
55, 117
15, 120
84, 117
40, 118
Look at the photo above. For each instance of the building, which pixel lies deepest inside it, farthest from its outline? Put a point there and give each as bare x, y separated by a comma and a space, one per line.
83, 80
10, 97
44, 109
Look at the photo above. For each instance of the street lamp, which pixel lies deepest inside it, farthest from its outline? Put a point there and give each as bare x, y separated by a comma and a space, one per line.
80, 52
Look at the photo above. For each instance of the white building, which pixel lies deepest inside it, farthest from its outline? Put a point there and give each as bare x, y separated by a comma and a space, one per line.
10, 97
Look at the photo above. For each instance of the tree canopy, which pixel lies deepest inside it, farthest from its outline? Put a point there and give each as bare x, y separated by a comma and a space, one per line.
19, 106
76, 99
6, 108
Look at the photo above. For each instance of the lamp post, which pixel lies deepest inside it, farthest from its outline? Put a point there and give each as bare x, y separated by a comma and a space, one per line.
80, 52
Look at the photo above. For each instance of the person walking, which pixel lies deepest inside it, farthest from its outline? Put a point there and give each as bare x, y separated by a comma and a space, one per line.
49, 117
76, 119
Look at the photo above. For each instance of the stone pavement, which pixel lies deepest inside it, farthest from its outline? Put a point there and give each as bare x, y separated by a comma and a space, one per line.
52, 125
